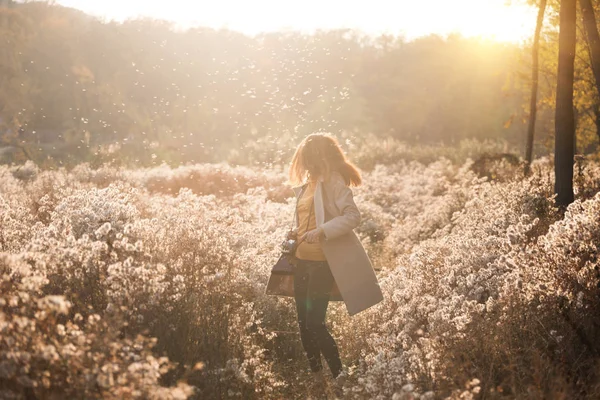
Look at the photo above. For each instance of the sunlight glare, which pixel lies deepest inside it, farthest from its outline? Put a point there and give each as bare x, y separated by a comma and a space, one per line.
486, 18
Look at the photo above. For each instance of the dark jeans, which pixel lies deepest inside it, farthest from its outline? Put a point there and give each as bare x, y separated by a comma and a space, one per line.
312, 284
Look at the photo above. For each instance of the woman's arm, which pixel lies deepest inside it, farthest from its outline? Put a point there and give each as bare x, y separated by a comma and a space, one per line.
344, 200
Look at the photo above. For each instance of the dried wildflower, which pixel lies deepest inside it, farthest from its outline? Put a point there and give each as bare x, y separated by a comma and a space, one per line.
103, 230
8, 369
190, 249
56, 304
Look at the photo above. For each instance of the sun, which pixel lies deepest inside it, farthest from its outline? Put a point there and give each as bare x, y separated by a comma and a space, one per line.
496, 20
492, 19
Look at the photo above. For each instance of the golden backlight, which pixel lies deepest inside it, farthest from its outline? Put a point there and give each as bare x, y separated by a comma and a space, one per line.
493, 19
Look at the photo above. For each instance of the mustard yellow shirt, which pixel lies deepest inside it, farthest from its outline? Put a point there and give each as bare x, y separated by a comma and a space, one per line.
308, 251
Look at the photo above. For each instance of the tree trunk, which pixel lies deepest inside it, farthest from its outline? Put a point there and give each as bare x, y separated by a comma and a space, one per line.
593, 38
564, 145
597, 120
534, 86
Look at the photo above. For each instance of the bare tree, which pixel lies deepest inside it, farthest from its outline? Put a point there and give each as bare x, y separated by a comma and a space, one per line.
564, 146
534, 86
593, 39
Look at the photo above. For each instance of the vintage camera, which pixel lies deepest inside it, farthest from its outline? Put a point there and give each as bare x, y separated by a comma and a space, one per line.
289, 245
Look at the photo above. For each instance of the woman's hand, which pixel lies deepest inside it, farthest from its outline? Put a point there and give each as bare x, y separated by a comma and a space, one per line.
313, 236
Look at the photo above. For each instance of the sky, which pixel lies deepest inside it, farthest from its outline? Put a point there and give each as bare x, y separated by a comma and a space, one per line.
410, 18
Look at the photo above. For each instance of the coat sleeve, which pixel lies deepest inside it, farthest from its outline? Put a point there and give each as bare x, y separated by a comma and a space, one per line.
344, 201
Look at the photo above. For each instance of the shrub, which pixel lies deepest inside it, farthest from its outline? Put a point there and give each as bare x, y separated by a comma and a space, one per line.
141, 283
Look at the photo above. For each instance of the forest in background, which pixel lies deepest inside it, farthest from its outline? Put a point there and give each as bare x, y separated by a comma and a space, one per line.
75, 89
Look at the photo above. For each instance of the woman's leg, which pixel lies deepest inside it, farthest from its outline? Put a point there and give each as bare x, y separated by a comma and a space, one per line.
320, 282
303, 304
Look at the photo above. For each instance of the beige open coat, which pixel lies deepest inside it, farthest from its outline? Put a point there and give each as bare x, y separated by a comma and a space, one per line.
337, 214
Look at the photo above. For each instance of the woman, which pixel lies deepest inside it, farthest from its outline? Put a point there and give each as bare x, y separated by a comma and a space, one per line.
331, 262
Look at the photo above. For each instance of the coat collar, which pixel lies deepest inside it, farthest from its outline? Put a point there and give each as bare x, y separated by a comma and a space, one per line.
319, 206
298, 189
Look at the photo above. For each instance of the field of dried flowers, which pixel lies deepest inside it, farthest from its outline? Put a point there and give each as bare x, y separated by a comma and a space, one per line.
148, 283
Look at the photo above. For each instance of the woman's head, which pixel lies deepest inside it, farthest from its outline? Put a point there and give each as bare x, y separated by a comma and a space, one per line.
317, 156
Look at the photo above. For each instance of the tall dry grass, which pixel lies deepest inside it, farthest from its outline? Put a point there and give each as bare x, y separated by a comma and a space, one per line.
120, 283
